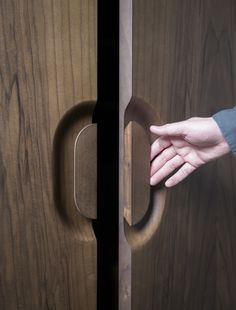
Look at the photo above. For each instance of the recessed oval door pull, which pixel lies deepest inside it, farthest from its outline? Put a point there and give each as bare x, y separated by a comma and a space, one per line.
138, 195
136, 173
85, 171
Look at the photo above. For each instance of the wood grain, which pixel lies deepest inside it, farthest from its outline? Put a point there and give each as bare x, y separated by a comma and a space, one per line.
183, 64
85, 171
125, 93
47, 68
136, 173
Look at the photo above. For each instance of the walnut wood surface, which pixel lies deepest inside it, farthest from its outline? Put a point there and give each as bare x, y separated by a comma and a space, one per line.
183, 64
85, 171
136, 173
47, 67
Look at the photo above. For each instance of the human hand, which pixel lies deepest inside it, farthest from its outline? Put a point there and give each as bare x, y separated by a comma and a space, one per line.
185, 145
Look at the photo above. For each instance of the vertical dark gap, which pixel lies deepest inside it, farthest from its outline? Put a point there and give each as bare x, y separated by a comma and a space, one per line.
106, 115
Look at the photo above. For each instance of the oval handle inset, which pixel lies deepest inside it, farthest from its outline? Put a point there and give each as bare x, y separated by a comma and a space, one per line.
136, 173
140, 200
85, 171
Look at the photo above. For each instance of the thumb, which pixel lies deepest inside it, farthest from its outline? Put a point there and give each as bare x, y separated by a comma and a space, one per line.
172, 129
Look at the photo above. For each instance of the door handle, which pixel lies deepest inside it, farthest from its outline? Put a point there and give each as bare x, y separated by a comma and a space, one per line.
136, 173
138, 195
85, 171
75, 166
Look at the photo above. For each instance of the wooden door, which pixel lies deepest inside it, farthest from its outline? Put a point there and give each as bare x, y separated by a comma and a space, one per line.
47, 90
177, 59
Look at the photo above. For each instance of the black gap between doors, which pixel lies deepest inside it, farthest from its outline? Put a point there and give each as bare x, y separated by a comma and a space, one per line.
106, 115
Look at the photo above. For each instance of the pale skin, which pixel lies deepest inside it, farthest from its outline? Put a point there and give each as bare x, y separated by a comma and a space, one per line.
185, 146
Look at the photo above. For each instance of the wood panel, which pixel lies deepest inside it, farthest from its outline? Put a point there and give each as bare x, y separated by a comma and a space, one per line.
181, 55
47, 68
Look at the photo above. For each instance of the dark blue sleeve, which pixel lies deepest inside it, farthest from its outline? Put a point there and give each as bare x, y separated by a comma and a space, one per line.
226, 120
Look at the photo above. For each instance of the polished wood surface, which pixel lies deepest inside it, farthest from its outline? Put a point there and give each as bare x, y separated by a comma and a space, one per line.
85, 171
47, 68
183, 64
136, 173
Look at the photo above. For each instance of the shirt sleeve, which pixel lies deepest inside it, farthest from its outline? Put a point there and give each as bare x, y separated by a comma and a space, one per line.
226, 120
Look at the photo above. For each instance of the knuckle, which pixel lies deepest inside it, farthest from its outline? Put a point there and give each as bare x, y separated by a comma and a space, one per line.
167, 154
184, 172
164, 158
173, 165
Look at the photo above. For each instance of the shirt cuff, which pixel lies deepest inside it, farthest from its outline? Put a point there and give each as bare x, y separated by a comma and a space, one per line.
226, 120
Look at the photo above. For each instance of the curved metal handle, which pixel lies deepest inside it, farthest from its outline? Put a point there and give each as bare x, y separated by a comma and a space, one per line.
85, 171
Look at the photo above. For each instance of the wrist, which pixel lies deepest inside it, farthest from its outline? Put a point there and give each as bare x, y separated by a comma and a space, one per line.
226, 122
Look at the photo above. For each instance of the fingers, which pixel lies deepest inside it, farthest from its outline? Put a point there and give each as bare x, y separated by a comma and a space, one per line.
159, 145
168, 167
173, 129
167, 159
161, 159
180, 175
